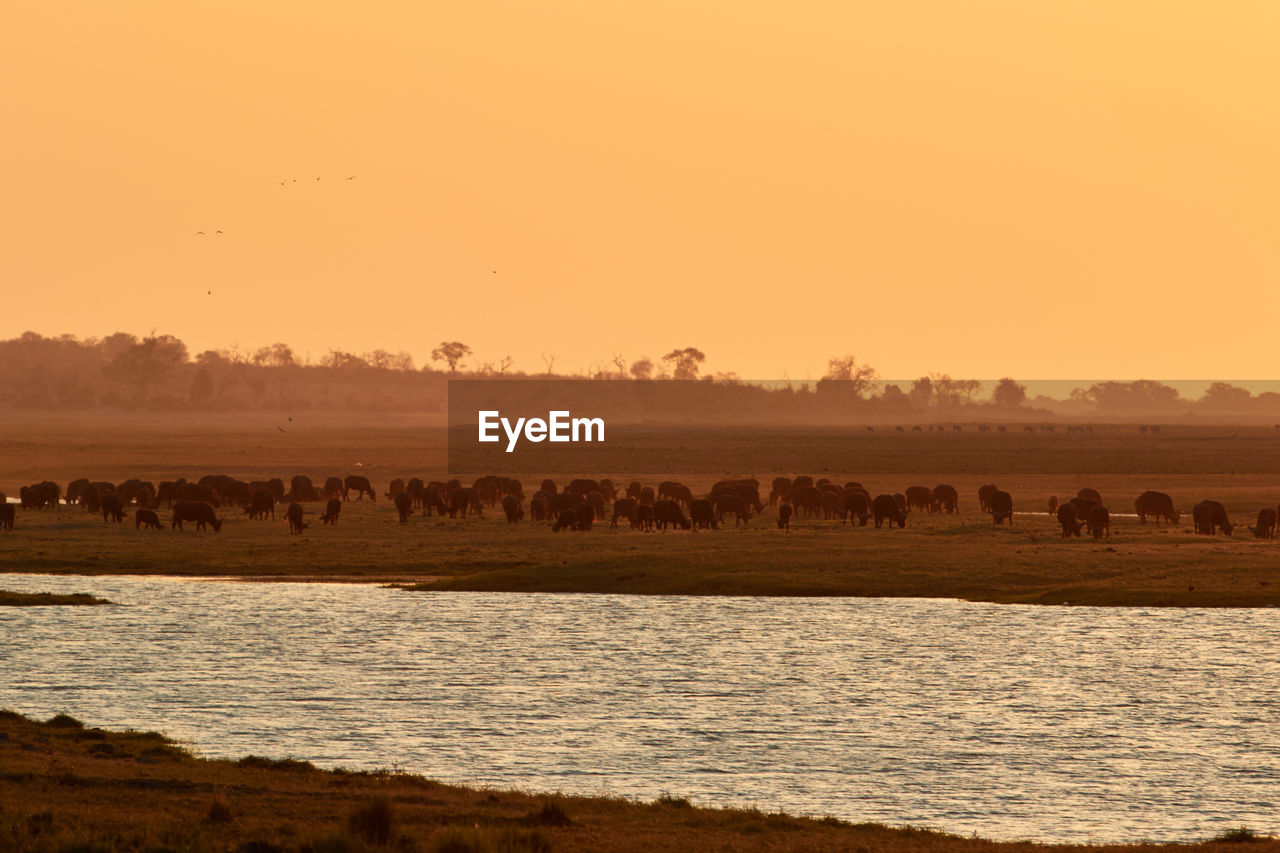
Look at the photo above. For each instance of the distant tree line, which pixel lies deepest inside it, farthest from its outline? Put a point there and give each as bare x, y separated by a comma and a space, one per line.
157, 372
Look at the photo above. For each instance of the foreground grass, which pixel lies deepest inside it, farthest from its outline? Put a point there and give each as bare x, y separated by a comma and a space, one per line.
45, 599
65, 788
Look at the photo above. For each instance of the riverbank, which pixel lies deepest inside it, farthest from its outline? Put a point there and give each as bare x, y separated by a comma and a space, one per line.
8, 598
68, 787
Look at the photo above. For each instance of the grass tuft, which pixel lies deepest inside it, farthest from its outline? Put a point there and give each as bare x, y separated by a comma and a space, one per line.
1240, 835
551, 814
490, 840
373, 821
65, 721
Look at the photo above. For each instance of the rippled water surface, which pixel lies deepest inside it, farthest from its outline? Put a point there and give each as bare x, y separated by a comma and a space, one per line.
1074, 724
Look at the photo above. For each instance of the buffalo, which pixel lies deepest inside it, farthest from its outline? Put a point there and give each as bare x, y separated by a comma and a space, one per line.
886, 507
1209, 515
404, 505
6, 516
112, 508
946, 499
1070, 521
294, 516
781, 489
146, 518
201, 513
586, 515
856, 506
567, 520
784, 516
984, 497
1099, 520
394, 488
1266, 527
331, 511
919, 497
1157, 505
262, 505
702, 515
1090, 495
644, 516
1001, 507
540, 506
733, 504
807, 499
360, 485
625, 508
511, 506
1053, 505
332, 488
668, 512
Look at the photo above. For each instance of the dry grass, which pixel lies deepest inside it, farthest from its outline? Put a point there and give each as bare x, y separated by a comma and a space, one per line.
70, 788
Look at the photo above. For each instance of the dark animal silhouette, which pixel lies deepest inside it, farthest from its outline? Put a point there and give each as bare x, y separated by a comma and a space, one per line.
1090, 495
781, 489
146, 518
332, 510
511, 506
784, 516
1071, 524
856, 505
1213, 515
648, 497
1053, 505
586, 515
1099, 521
946, 499
459, 502
112, 509
548, 486
644, 516
262, 505
1083, 506
360, 485
432, 501
294, 516
807, 499
702, 515
886, 507
301, 489
984, 497
1266, 527
567, 520
7, 514
919, 497
1157, 505
625, 508
404, 505
332, 488
1001, 507
733, 504
669, 512
395, 487
201, 513
596, 500
276, 487
540, 506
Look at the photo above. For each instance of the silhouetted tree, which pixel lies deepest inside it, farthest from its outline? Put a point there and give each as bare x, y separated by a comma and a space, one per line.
642, 369
921, 393
201, 386
845, 368
339, 359
1009, 393
1226, 397
149, 361
276, 355
685, 362
451, 352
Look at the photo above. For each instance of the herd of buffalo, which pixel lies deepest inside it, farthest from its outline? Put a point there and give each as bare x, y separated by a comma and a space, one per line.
582, 502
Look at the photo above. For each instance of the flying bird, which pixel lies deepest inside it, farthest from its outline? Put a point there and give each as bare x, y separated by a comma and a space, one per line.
199, 233
211, 293
352, 178
280, 428
219, 232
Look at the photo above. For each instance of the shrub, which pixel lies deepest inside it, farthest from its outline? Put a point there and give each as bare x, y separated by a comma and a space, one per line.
372, 821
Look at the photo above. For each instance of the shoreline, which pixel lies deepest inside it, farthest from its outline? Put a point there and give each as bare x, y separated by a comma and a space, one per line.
65, 781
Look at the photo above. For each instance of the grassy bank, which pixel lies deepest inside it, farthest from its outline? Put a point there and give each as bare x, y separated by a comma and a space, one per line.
47, 599
65, 787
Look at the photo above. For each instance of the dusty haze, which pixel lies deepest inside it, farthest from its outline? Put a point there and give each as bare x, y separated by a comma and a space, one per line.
1079, 188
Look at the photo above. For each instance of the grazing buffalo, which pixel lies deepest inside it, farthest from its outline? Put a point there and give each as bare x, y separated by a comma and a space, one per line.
984, 497
301, 489
1001, 507
331, 511
169, 491
644, 516
276, 487
919, 497
856, 505
586, 515
1071, 523
669, 512
1099, 520
6, 516
332, 488
781, 489
548, 486
262, 505
1083, 506
1053, 505
75, 489
511, 506
596, 499
582, 486
784, 516
1210, 515
807, 500
459, 502
359, 485
886, 507
946, 499
90, 498
1157, 505
404, 505
801, 481
1266, 527
832, 503
733, 504
112, 509
414, 487
1089, 495
431, 500
146, 518
294, 515
201, 513
566, 500
395, 487
702, 515
625, 508
540, 506
648, 497
567, 520
634, 490
901, 500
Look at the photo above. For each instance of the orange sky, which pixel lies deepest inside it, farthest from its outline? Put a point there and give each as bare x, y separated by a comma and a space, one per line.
1047, 189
